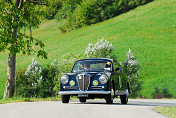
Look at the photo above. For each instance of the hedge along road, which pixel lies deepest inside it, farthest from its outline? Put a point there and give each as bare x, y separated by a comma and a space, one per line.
136, 108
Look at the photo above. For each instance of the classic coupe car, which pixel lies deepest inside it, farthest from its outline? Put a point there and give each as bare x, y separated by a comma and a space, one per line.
95, 78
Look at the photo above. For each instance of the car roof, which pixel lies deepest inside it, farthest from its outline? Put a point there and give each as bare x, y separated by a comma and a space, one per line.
106, 59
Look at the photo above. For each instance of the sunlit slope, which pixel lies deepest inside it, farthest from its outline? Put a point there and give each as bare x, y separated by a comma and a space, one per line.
149, 31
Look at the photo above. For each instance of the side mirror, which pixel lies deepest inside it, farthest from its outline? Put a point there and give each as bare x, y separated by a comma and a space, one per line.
116, 69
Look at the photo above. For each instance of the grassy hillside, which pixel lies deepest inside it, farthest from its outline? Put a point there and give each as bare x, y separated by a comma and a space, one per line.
149, 31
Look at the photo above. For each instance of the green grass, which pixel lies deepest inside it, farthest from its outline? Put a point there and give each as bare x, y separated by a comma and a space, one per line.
18, 99
167, 111
149, 31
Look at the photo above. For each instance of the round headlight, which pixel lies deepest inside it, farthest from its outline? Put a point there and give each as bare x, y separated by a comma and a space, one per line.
103, 79
64, 79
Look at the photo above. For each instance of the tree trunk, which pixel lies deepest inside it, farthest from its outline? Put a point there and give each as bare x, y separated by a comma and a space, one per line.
10, 82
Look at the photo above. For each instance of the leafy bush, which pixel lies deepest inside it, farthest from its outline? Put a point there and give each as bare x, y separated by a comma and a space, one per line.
101, 49
164, 93
131, 69
47, 84
21, 88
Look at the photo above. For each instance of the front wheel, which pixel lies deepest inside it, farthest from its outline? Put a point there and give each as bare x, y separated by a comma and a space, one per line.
65, 98
124, 98
82, 99
109, 98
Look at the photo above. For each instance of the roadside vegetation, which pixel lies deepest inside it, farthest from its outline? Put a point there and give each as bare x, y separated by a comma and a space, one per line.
148, 30
42, 81
22, 99
167, 111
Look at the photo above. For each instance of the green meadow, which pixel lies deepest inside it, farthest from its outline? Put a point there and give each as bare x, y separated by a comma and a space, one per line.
149, 31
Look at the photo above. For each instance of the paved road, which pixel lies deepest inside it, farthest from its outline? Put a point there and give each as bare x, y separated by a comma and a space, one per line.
91, 109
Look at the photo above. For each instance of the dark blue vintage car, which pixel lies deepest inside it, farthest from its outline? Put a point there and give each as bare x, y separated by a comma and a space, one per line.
95, 78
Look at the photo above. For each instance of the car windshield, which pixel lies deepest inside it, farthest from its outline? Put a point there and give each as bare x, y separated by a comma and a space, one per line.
92, 65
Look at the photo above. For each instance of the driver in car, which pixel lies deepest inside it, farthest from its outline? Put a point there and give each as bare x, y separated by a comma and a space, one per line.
84, 66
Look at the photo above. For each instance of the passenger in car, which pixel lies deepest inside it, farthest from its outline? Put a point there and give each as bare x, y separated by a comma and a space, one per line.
108, 66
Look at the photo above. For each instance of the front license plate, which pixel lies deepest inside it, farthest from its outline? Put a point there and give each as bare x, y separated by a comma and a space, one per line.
83, 95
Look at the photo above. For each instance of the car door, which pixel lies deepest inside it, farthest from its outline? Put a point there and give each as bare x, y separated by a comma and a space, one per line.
120, 79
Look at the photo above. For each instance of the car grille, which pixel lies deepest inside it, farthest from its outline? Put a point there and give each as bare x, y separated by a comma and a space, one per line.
83, 81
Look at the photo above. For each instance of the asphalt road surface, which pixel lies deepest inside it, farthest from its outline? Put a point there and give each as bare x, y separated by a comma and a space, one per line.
135, 108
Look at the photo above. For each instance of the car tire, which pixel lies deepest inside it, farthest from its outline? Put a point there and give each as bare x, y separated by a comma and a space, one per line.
82, 99
109, 98
124, 98
65, 98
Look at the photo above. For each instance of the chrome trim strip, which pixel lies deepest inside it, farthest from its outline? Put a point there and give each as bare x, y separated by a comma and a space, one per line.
96, 86
70, 87
83, 92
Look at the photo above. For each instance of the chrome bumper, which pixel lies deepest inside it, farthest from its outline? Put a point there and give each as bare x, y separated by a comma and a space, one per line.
83, 92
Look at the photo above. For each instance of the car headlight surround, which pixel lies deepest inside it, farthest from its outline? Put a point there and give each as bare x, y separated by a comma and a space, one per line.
103, 79
64, 79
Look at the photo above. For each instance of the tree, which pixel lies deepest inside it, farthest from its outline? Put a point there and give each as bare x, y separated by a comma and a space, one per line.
15, 16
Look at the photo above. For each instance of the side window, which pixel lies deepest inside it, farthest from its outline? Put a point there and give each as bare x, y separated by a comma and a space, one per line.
116, 66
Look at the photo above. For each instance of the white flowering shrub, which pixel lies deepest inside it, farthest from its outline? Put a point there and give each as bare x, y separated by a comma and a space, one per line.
54, 63
37, 80
34, 73
101, 49
67, 61
33, 78
65, 65
131, 69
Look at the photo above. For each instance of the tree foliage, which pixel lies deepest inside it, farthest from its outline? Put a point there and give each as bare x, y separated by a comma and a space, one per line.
19, 19
15, 16
89, 12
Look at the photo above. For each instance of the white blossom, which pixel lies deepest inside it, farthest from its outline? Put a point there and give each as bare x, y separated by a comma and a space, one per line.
33, 72
54, 62
100, 49
131, 69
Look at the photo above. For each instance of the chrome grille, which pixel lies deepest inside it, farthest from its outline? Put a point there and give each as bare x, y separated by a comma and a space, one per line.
83, 81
